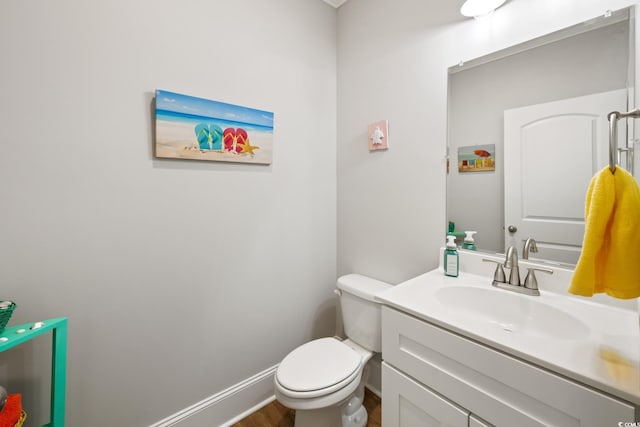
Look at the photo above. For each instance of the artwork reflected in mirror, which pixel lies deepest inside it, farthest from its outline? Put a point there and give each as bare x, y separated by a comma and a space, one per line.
477, 158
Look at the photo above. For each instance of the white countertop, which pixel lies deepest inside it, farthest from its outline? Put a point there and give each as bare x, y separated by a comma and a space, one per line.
604, 355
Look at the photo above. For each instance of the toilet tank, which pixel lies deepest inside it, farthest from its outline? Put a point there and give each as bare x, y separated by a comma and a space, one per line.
361, 314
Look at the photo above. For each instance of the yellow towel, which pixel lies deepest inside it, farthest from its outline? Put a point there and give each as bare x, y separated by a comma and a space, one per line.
610, 259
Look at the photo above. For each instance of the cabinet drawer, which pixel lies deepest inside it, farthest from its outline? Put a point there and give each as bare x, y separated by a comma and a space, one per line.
406, 403
495, 386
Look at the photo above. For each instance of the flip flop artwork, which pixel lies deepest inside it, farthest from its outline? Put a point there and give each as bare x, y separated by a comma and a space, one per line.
192, 128
209, 136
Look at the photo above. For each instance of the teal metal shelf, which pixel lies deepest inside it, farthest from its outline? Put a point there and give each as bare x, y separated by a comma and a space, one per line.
16, 335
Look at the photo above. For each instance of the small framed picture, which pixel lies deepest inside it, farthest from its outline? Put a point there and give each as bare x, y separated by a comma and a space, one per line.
477, 158
378, 135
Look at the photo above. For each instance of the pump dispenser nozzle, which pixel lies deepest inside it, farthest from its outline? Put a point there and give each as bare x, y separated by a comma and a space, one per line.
469, 243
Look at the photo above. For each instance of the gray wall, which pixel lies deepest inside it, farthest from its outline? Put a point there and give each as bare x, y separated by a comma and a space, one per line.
390, 203
585, 64
179, 278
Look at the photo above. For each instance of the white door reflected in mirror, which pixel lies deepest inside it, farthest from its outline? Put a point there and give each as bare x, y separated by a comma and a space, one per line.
550, 151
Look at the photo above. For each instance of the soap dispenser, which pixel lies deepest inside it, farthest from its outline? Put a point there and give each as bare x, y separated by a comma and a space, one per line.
451, 258
469, 242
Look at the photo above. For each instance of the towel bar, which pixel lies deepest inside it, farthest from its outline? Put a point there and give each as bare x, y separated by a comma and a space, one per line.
613, 118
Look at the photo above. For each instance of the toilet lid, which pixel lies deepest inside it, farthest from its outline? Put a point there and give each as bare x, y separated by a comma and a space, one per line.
318, 364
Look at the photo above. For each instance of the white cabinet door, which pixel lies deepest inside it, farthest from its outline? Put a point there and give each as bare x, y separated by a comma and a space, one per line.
497, 387
406, 403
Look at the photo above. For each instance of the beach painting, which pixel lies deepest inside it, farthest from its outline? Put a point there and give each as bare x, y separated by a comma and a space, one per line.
200, 129
477, 158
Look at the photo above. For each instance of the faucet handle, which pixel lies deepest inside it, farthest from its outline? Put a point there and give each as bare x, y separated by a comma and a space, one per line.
498, 275
530, 282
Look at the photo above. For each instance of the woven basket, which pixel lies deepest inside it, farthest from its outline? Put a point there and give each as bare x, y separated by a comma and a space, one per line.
23, 417
5, 315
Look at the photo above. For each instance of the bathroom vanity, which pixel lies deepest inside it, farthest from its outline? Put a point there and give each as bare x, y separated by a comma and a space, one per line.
459, 352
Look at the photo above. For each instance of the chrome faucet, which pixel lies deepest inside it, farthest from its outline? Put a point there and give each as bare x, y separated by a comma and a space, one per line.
530, 286
529, 246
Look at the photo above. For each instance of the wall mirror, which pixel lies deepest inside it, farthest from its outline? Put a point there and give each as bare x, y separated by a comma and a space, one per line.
527, 129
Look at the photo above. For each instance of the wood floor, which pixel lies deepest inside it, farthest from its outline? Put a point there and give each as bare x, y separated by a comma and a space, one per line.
276, 415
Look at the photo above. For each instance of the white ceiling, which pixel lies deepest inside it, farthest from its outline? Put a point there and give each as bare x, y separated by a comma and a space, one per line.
335, 3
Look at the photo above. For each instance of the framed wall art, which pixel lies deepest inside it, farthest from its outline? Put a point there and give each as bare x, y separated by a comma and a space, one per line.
477, 158
378, 135
201, 129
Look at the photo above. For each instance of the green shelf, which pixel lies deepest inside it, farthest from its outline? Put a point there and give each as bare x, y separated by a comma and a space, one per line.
15, 335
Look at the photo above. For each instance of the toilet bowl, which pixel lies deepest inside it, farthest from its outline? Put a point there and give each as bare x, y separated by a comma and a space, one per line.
323, 380
318, 380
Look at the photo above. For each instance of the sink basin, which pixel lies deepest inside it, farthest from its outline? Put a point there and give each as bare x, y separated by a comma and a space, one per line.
512, 312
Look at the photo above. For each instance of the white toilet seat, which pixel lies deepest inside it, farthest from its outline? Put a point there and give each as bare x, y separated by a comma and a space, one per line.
322, 401
318, 368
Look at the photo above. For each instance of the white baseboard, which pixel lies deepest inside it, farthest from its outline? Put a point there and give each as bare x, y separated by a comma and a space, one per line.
227, 407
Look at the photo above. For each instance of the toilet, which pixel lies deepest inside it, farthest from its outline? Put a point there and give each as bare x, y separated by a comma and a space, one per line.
323, 380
